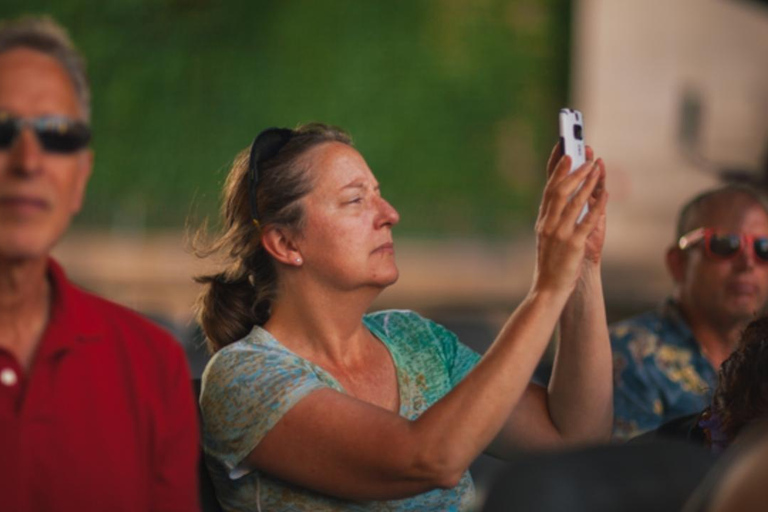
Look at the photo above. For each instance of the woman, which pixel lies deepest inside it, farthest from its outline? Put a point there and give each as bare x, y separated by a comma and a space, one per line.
310, 404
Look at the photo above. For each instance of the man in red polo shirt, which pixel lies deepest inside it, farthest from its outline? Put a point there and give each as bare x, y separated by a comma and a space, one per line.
96, 408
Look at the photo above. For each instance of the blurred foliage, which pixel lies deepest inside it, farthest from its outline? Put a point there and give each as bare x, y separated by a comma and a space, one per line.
453, 103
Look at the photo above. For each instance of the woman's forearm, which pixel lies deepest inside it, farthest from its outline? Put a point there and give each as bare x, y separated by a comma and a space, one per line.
461, 425
581, 388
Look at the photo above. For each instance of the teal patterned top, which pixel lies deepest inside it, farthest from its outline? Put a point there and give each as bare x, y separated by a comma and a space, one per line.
249, 385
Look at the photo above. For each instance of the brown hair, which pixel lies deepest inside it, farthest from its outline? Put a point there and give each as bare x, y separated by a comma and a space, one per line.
44, 35
240, 296
742, 390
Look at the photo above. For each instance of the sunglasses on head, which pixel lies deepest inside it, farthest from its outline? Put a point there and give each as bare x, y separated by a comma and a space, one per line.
266, 145
725, 246
57, 134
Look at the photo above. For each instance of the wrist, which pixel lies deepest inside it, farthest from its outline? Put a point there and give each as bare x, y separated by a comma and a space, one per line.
590, 269
551, 297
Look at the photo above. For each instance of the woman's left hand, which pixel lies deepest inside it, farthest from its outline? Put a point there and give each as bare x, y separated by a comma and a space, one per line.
596, 239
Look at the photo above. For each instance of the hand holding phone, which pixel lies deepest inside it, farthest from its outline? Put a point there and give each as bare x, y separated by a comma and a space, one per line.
572, 142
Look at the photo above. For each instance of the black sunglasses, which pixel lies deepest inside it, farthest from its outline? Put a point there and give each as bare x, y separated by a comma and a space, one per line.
725, 246
57, 134
266, 145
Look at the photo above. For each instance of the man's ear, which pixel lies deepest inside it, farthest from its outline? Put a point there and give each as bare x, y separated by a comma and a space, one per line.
279, 243
677, 261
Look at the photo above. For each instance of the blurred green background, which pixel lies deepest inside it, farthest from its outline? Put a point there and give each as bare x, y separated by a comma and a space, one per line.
452, 103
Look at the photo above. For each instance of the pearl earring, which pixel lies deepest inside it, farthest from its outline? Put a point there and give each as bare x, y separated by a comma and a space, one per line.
298, 261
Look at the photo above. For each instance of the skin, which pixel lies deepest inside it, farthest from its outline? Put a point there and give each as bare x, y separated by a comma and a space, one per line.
720, 297
39, 194
355, 445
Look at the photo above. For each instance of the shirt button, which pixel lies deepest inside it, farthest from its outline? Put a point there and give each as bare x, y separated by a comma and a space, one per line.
8, 377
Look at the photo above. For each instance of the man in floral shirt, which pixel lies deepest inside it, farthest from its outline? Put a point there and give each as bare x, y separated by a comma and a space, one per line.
666, 361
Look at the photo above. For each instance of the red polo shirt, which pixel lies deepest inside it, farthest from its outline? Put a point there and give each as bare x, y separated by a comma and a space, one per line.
104, 420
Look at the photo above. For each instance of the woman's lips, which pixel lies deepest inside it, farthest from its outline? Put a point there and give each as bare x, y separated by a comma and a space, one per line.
388, 247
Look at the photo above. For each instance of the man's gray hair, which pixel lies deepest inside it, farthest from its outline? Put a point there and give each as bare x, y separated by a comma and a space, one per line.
43, 34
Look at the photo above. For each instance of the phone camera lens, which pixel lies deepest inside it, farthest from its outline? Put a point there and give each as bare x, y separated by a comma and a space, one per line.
577, 132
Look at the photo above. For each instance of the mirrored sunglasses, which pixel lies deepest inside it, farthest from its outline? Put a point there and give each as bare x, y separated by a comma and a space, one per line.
725, 246
57, 134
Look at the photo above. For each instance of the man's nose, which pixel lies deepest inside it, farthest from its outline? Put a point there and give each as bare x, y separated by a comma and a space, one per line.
25, 153
745, 260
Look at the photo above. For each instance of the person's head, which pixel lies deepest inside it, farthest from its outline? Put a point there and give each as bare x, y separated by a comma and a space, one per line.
718, 261
44, 159
299, 206
741, 396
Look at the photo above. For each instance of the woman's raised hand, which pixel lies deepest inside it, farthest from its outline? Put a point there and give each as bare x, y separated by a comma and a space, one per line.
562, 244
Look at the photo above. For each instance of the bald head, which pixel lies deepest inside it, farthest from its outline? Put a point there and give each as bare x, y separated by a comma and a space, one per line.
727, 202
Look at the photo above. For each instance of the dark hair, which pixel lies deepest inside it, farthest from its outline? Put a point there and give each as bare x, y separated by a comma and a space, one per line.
44, 35
240, 296
691, 212
741, 395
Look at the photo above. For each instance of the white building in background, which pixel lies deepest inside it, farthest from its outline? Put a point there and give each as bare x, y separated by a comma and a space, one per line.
635, 65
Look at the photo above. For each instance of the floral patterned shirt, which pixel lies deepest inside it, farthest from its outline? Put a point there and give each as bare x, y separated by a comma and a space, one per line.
249, 385
660, 372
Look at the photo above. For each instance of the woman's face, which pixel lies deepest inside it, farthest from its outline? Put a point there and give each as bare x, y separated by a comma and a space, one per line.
346, 242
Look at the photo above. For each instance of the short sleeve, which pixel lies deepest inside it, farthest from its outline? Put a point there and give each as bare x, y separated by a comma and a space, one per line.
247, 388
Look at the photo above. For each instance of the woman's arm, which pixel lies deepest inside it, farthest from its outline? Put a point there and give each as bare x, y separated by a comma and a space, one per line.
578, 404
581, 387
338, 445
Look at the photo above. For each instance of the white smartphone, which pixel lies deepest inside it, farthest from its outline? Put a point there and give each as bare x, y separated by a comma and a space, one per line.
572, 142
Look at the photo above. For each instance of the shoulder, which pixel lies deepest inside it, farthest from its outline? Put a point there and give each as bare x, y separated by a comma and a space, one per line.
255, 375
641, 334
256, 360
120, 324
647, 322
256, 349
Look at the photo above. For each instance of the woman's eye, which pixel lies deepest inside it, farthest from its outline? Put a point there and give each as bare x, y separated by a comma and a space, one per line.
355, 200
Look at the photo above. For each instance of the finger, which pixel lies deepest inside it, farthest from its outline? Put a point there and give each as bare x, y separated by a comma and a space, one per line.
561, 170
570, 182
574, 207
596, 215
589, 153
554, 157
601, 183
557, 195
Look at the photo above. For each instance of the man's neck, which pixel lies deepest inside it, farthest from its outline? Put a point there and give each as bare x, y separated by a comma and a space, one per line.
716, 341
25, 302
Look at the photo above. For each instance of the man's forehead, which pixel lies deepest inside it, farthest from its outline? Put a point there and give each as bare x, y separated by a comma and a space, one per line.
731, 211
34, 83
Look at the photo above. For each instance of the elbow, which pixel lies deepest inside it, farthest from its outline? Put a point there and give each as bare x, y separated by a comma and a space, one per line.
432, 460
443, 478
437, 467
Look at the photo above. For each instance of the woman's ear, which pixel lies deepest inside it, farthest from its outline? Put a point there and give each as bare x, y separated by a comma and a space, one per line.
676, 262
279, 243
